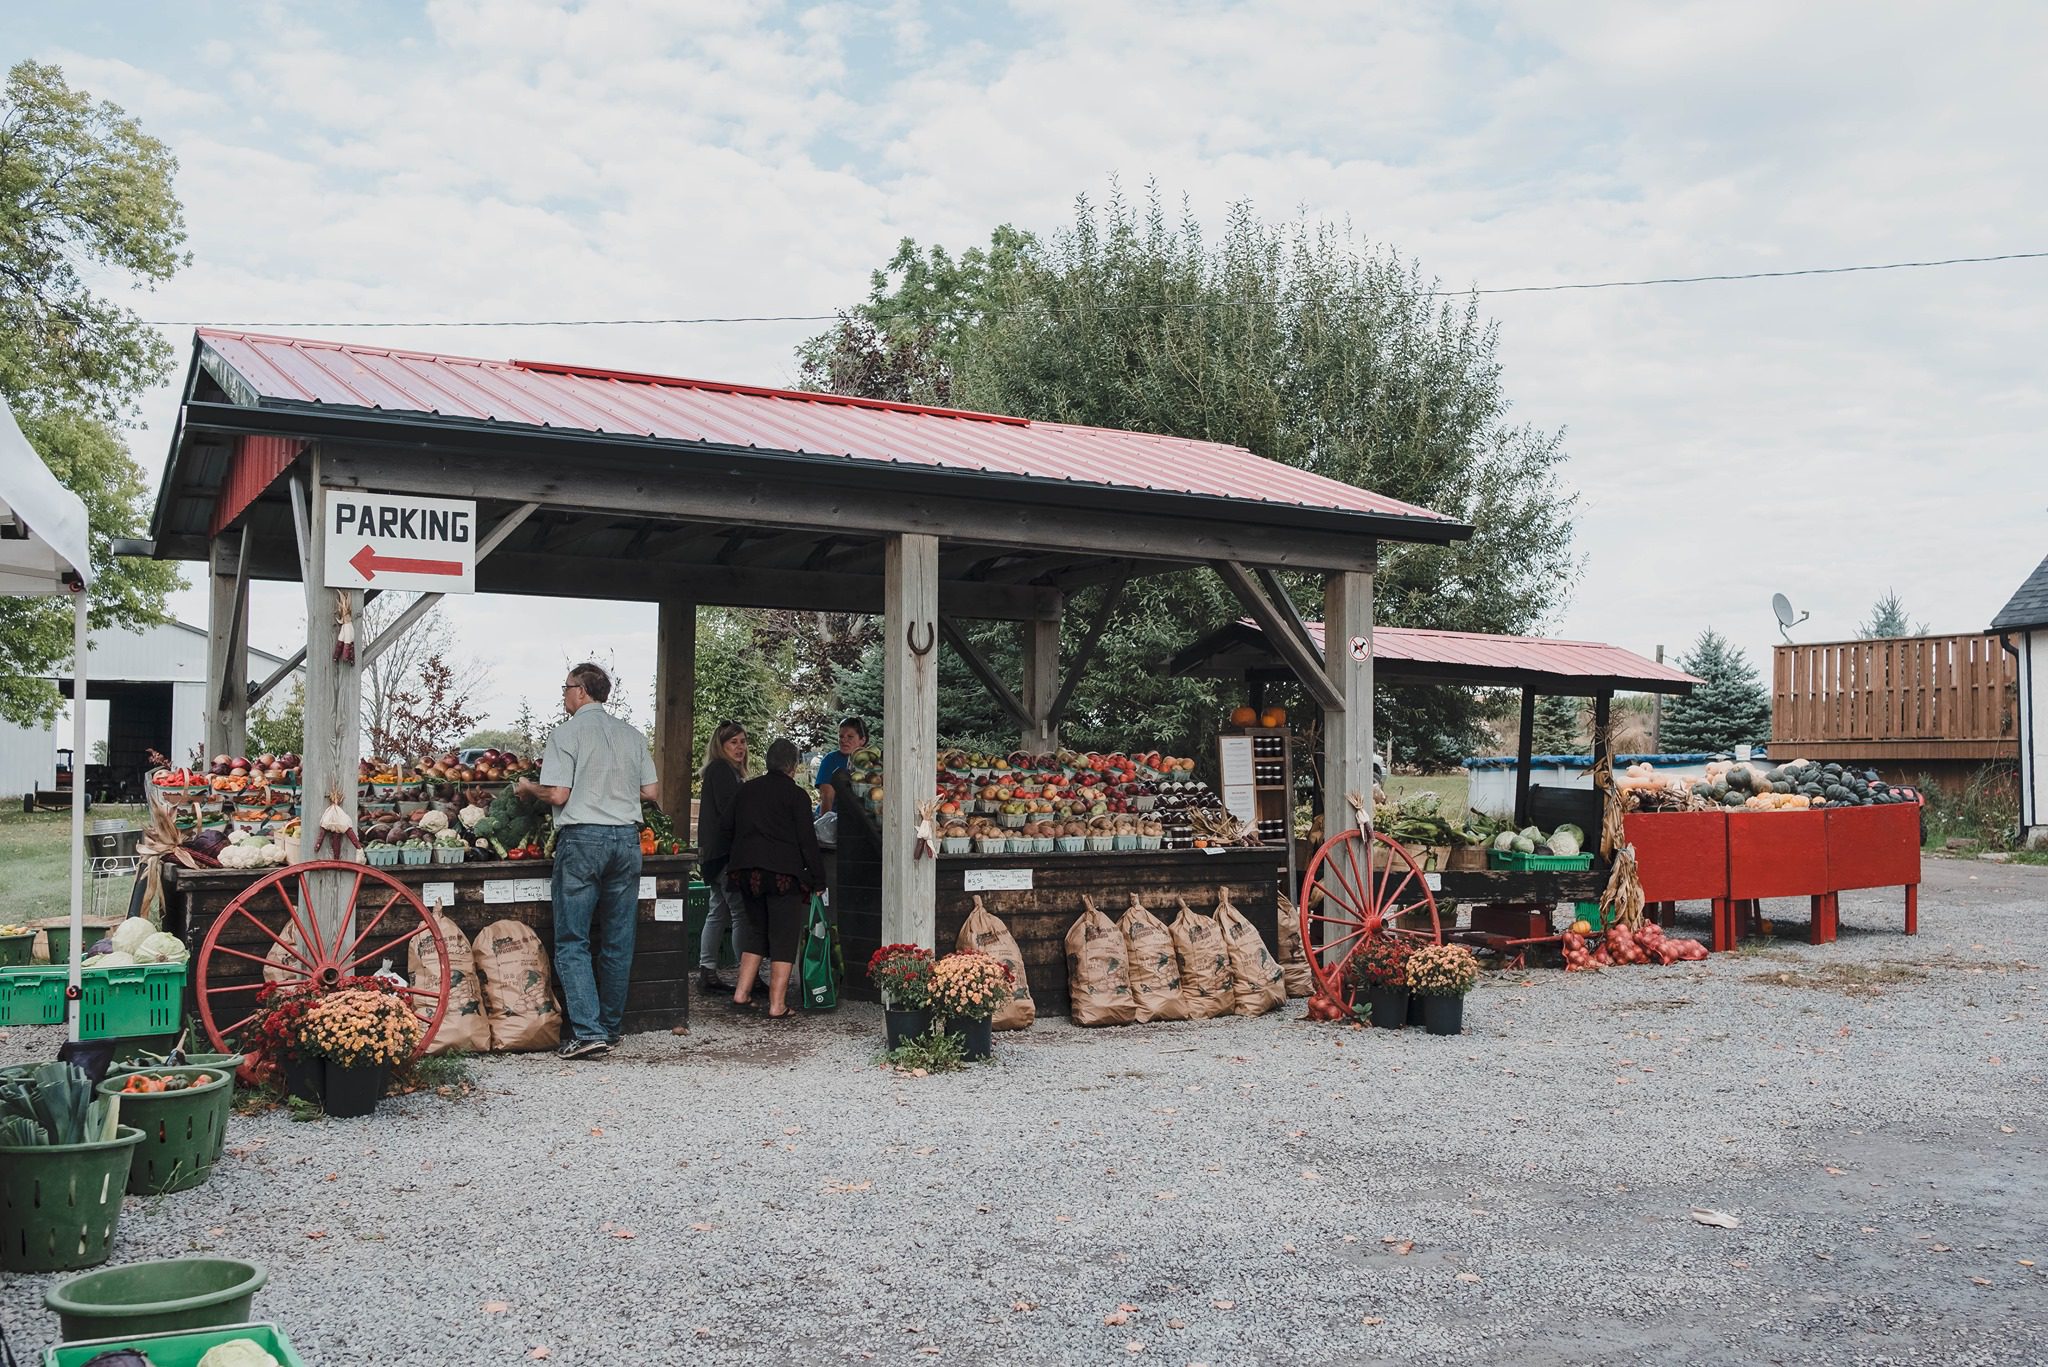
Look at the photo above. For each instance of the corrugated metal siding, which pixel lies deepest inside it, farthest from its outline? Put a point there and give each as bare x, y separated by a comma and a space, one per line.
188, 720
28, 759
293, 370
255, 463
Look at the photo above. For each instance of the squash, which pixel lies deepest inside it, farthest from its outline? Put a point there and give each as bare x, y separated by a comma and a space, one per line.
1244, 716
1273, 716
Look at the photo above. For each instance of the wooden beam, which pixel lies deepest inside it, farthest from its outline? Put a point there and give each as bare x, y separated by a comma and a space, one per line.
767, 549
982, 670
227, 649
910, 729
1027, 568
1111, 597
557, 537
1348, 722
1314, 674
691, 536
1525, 749
675, 708
1603, 745
802, 499
1283, 602
333, 709
1041, 734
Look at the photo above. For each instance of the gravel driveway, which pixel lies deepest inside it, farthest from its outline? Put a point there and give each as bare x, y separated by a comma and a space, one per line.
1241, 1191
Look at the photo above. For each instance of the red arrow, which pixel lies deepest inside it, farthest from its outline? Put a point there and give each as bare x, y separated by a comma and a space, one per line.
368, 562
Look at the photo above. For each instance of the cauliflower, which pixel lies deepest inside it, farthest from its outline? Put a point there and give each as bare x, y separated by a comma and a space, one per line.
434, 822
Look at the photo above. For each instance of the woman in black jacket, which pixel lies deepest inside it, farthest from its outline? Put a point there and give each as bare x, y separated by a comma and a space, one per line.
725, 769
773, 865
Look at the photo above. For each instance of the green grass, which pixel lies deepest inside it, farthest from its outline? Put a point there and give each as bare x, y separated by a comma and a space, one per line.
1452, 789
35, 862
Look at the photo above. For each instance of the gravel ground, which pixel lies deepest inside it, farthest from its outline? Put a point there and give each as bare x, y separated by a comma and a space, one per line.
1240, 1191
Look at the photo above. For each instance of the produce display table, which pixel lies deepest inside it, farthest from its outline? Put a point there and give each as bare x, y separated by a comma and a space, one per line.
663, 961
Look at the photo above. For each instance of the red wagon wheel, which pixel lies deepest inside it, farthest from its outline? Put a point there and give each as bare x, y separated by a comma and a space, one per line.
270, 933
1346, 900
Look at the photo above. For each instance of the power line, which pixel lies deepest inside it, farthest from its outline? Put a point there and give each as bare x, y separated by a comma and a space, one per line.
1190, 304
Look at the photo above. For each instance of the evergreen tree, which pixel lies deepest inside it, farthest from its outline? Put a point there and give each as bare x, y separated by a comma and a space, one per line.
1557, 726
1729, 707
1888, 620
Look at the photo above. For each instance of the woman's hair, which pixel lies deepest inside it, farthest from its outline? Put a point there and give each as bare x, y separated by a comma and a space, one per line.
714, 752
594, 681
860, 728
782, 755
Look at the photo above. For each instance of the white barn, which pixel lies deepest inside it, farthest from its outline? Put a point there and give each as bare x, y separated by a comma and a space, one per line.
154, 684
2024, 624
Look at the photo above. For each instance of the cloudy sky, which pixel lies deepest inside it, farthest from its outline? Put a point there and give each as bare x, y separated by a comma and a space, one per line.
1825, 437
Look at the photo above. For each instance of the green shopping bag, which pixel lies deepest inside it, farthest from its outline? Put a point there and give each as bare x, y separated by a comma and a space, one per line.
816, 983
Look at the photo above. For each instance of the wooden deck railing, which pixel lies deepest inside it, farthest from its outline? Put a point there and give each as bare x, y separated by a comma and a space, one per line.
1914, 689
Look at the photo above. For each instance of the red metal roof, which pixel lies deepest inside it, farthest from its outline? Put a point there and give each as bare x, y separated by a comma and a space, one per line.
291, 370
1521, 654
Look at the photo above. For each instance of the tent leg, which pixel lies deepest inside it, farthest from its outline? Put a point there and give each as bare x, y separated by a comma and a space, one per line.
81, 644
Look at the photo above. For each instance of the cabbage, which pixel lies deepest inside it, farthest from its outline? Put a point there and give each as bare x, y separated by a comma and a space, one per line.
162, 948
238, 1353
1524, 845
1576, 833
1504, 841
131, 933
1563, 841
113, 958
1530, 833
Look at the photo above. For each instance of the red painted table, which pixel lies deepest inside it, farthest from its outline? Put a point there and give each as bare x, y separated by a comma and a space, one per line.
1683, 857
1874, 847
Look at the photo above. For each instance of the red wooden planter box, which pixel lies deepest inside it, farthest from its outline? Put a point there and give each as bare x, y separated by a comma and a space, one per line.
1777, 854
1873, 847
1680, 856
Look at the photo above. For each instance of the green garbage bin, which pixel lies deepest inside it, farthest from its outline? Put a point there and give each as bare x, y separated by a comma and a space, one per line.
696, 909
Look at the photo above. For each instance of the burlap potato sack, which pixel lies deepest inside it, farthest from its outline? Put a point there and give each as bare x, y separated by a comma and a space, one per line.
1098, 988
1205, 978
1301, 980
1255, 976
985, 931
465, 1026
1154, 967
518, 988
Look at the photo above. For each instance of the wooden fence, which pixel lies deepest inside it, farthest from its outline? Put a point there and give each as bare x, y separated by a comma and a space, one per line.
1924, 697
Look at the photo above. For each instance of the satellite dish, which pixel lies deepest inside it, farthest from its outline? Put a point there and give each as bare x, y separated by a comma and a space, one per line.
1782, 605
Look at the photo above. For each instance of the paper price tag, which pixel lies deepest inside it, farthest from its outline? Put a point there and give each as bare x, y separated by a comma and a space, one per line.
997, 880
646, 889
668, 908
430, 893
502, 890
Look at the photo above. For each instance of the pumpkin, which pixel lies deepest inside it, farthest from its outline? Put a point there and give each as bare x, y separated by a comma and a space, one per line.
1244, 716
1273, 716
1582, 927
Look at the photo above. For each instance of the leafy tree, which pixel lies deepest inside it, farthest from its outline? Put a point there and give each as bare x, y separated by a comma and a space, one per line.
396, 673
1888, 620
495, 738
85, 201
734, 682
812, 649
1730, 707
1557, 726
279, 728
427, 717
1294, 341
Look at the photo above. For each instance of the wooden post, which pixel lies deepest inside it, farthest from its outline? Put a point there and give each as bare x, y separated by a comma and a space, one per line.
1524, 748
1657, 714
1041, 685
334, 701
1347, 664
910, 734
1603, 713
675, 709
227, 649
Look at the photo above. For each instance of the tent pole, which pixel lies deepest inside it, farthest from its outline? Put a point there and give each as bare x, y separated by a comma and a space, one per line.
81, 606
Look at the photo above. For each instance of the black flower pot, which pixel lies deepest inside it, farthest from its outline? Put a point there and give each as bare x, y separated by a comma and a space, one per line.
978, 1037
1389, 1007
355, 1091
1415, 1001
1443, 1015
304, 1078
906, 1025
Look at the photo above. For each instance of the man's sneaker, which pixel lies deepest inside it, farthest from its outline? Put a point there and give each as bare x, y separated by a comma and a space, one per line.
582, 1048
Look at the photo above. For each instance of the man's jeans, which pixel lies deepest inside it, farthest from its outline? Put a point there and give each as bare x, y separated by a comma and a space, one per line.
596, 898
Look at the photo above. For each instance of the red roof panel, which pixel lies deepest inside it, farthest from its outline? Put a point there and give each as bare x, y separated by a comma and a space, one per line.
1534, 654
295, 370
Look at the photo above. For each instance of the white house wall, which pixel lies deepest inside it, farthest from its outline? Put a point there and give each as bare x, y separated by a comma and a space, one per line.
2033, 701
188, 720
28, 759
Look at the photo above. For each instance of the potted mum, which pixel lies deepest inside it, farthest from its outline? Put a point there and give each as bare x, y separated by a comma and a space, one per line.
1441, 975
1380, 968
967, 987
360, 1034
903, 975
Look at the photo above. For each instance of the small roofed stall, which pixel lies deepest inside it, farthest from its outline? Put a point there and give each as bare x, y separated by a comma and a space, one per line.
608, 485
1512, 904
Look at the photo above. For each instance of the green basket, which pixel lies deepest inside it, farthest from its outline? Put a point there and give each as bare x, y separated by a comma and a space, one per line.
227, 1063
17, 951
156, 1297
182, 1349
132, 999
182, 1130
59, 1204
32, 996
1591, 914
697, 900
1514, 861
60, 941
696, 909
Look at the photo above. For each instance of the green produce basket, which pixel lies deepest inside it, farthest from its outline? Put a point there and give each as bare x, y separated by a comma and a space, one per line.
697, 907
181, 1130
133, 999
32, 996
1590, 913
182, 1349
1516, 862
17, 951
59, 1203
60, 941
156, 1297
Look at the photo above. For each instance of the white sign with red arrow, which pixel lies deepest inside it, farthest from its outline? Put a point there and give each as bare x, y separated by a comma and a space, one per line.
392, 542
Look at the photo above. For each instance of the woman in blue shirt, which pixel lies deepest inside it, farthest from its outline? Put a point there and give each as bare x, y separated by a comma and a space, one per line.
853, 734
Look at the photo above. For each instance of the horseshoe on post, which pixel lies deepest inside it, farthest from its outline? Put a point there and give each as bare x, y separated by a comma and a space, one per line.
931, 638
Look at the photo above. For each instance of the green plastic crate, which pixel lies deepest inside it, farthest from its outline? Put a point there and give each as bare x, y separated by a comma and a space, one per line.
697, 900
1590, 913
183, 1348
1516, 862
136, 999
32, 996
696, 907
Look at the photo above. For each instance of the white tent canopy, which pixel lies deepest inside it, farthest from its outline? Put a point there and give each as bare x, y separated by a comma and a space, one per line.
45, 550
